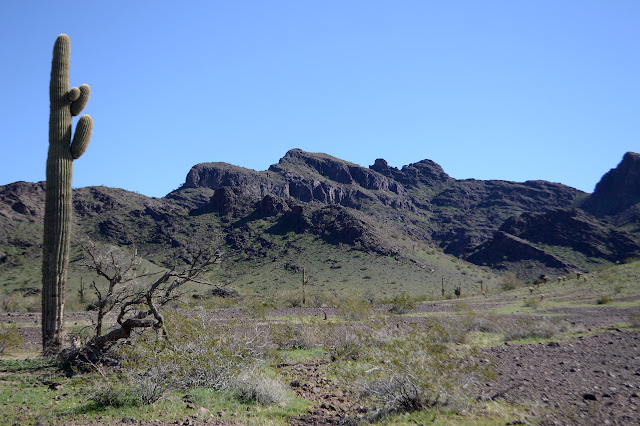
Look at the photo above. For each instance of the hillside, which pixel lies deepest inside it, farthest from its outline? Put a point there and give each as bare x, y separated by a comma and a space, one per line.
353, 229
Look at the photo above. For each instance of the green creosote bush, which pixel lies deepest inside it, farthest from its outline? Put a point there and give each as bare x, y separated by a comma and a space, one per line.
292, 298
354, 309
10, 301
9, 338
416, 368
402, 304
532, 302
509, 281
603, 299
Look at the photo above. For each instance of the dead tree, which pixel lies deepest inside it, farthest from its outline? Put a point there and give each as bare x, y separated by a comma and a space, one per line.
139, 306
120, 270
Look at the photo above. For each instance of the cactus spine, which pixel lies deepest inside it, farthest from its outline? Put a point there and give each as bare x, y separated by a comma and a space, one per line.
64, 103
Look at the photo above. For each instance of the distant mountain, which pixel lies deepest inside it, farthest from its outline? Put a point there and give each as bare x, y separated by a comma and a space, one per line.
417, 214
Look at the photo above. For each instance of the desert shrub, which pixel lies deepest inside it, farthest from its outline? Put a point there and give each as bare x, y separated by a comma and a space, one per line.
532, 302
301, 335
292, 298
402, 304
258, 387
355, 309
468, 320
129, 387
322, 298
9, 337
346, 341
509, 281
199, 352
16, 301
256, 309
10, 301
413, 370
524, 328
111, 393
603, 299
444, 331
369, 296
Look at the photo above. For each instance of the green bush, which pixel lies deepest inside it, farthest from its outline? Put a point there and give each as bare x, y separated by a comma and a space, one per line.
603, 300
355, 310
402, 304
509, 281
532, 302
9, 337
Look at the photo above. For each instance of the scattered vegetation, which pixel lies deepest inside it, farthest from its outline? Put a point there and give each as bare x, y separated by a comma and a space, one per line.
413, 368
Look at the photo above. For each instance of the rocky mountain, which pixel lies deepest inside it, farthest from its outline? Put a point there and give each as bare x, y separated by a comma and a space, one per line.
528, 227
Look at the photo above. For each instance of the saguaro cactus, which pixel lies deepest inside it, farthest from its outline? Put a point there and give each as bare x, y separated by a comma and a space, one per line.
64, 103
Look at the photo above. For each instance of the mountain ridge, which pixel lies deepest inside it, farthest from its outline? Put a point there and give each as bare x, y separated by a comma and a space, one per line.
379, 209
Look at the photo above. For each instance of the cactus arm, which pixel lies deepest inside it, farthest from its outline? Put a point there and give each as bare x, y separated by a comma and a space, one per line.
78, 105
74, 94
81, 136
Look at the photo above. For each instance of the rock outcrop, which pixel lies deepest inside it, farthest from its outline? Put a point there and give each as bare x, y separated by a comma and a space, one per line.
617, 191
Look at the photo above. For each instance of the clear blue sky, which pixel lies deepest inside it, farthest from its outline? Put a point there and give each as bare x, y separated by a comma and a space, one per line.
513, 90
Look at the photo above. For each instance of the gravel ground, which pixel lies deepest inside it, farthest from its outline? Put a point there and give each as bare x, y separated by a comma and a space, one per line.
591, 380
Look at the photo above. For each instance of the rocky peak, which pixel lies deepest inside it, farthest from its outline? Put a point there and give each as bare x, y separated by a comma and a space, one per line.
308, 164
423, 173
618, 190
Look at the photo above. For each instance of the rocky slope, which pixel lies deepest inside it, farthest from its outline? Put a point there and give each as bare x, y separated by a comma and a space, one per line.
529, 227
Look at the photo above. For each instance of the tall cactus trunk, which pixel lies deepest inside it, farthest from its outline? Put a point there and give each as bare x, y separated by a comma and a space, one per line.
58, 213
